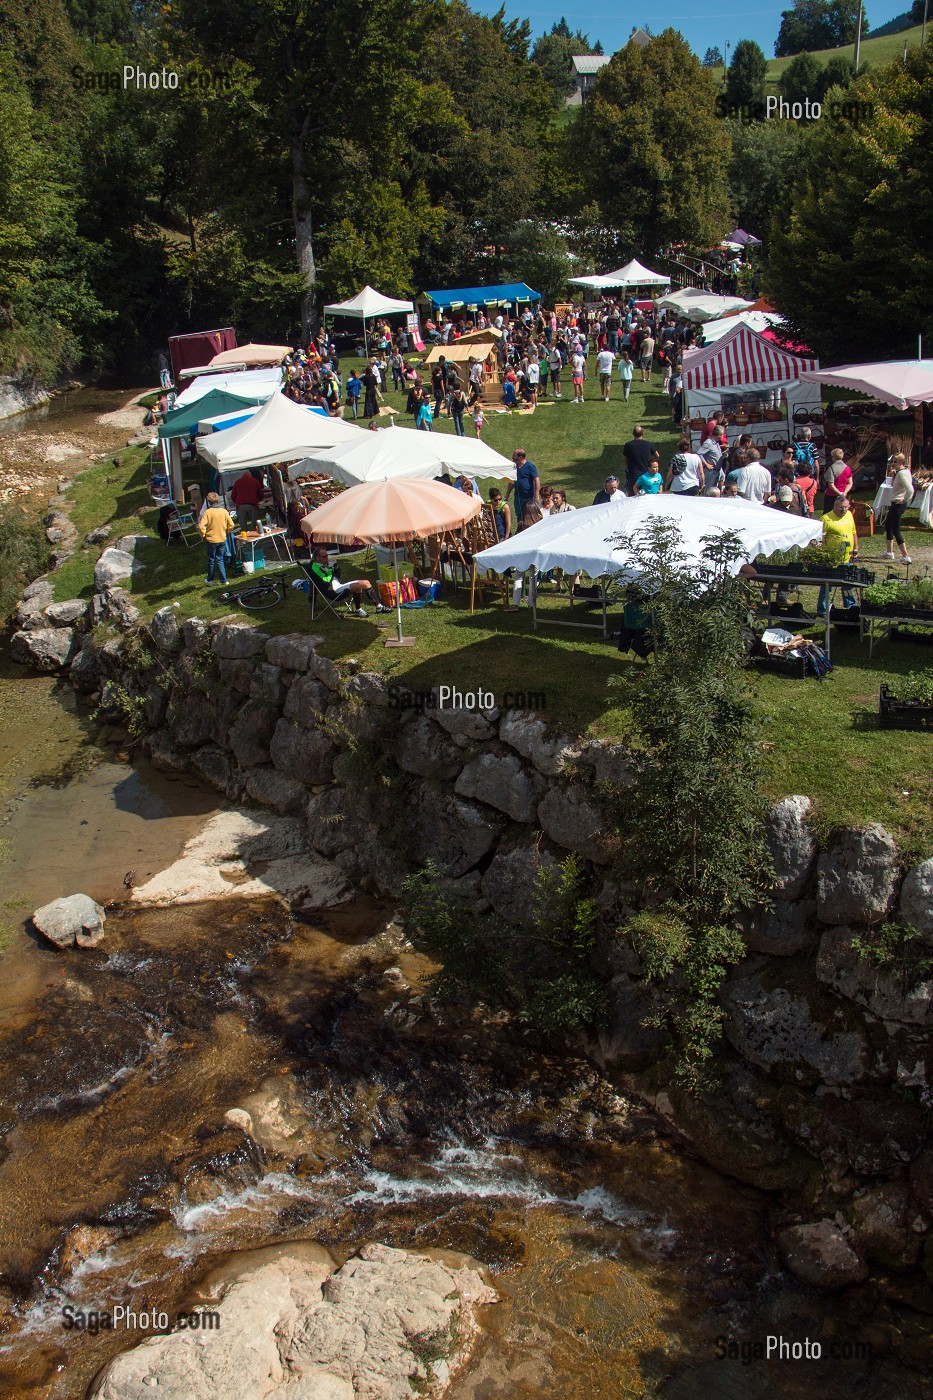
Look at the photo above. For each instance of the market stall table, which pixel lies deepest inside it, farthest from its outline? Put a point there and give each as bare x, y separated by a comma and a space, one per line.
774, 614
246, 541
922, 502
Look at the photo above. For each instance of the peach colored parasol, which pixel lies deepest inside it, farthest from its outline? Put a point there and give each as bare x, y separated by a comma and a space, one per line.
391, 512
252, 355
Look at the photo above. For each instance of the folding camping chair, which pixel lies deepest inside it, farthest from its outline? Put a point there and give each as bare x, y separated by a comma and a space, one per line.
322, 602
182, 523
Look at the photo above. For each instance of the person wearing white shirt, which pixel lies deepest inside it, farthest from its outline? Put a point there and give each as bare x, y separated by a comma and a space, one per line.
578, 366
757, 484
604, 362
626, 371
685, 475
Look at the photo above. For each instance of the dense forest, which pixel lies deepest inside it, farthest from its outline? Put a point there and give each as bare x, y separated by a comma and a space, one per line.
167, 166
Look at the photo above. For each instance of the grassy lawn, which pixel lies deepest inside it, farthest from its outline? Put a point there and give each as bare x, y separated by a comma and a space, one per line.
873, 52
818, 738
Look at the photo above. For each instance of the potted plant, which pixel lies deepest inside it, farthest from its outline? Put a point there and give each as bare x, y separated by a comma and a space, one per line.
893, 598
907, 701
817, 561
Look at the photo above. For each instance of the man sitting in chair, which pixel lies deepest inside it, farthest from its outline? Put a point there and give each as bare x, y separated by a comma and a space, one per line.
324, 578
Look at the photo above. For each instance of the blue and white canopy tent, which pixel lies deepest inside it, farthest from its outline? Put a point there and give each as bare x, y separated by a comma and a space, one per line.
510, 294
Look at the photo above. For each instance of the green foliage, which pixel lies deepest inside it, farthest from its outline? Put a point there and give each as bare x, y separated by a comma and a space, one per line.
713, 58
544, 971
897, 948
656, 153
839, 72
916, 686
864, 231
818, 24
539, 255
801, 79
24, 555
695, 807
916, 593
745, 80
762, 171
553, 52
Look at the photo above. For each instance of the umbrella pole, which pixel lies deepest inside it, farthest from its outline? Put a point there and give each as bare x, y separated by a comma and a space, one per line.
400, 641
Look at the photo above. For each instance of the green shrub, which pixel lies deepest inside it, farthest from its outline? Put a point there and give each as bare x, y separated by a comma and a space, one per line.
24, 555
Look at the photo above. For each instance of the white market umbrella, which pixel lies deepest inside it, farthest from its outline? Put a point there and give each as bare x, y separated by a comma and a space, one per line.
579, 541
367, 304
391, 512
393, 454
902, 383
281, 431
757, 321
702, 306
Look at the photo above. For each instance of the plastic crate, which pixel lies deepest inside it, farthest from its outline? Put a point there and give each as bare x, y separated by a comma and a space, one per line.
903, 714
794, 667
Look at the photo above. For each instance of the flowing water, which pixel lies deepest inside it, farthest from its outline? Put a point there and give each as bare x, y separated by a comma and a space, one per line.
380, 1113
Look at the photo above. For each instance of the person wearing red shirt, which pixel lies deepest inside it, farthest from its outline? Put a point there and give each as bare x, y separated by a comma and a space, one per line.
246, 495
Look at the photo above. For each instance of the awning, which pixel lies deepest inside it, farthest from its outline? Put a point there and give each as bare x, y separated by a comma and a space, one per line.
702, 306
280, 432
252, 355
405, 454
633, 274
506, 292
902, 383
183, 421
262, 383
366, 304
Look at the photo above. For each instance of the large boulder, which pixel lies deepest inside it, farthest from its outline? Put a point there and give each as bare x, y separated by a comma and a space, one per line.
237, 641
369, 688
387, 1325
820, 1254
88, 669
783, 930
40, 591
113, 566
472, 726
213, 764
73, 919
165, 630
250, 734
780, 1030
453, 833
568, 817
67, 614
292, 650
307, 756
29, 615
307, 701
530, 737
323, 669
609, 763
509, 883
857, 876
422, 748
626, 1042
273, 789
792, 845
916, 906
881, 1218
889, 992
192, 719
115, 605
46, 648
504, 783
331, 827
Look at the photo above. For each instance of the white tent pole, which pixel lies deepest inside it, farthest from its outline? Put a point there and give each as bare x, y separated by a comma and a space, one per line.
398, 593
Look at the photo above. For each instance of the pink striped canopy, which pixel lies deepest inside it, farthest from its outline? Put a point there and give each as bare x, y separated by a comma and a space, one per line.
742, 357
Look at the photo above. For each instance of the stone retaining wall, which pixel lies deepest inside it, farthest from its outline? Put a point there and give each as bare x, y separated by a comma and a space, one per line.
825, 1092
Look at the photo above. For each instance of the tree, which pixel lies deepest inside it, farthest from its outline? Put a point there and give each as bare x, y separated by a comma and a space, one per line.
818, 24
712, 59
699, 772
801, 80
917, 11
539, 255
745, 80
655, 151
839, 72
850, 264
762, 171
553, 53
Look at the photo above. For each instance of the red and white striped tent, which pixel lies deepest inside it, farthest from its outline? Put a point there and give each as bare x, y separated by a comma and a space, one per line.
745, 367
742, 358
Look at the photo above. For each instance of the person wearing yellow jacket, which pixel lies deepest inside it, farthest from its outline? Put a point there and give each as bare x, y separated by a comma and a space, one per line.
214, 527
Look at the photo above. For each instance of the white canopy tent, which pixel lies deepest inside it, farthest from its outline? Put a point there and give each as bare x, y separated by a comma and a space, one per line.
367, 304
633, 274
701, 306
579, 541
279, 432
755, 320
403, 453
258, 382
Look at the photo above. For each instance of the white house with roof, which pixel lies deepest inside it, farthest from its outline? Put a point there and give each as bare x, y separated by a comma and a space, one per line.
585, 67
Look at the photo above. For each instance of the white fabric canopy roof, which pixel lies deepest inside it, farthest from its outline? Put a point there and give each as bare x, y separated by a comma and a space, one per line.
633, 274
903, 383
280, 431
578, 540
366, 304
702, 306
755, 320
264, 382
394, 454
